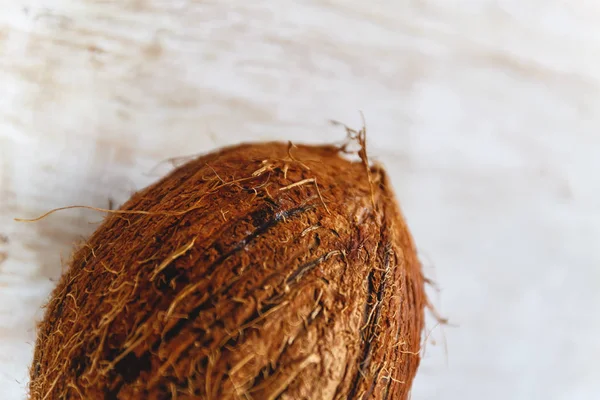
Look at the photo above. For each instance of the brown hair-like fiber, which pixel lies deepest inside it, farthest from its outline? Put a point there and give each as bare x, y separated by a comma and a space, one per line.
260, 271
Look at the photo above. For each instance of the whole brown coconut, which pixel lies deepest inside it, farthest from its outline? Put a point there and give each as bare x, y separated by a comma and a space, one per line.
257, 272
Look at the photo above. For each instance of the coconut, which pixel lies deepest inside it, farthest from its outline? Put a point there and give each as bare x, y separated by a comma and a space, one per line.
259, 271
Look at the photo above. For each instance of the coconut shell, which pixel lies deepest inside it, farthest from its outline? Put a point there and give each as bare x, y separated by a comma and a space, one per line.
256, 272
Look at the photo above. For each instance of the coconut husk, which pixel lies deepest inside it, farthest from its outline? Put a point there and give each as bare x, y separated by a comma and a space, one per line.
260, 271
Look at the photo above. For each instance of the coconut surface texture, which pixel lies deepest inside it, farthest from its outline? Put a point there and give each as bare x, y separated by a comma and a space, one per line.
259, 271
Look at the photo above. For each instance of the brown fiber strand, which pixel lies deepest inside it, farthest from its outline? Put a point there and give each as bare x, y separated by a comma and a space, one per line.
310, 288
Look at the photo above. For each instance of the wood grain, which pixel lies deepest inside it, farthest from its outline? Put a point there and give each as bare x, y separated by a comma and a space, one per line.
486, 114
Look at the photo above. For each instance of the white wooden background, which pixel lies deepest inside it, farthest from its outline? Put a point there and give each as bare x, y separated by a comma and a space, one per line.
486, 113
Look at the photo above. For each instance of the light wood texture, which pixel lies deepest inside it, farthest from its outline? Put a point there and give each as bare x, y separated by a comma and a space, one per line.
486, 113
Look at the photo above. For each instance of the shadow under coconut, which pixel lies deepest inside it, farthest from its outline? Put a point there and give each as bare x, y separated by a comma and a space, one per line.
56, 238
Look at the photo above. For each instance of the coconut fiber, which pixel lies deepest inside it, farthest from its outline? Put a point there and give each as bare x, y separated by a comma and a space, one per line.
260, 271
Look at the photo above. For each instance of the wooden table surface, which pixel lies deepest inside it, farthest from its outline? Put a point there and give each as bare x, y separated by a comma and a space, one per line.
486, 113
